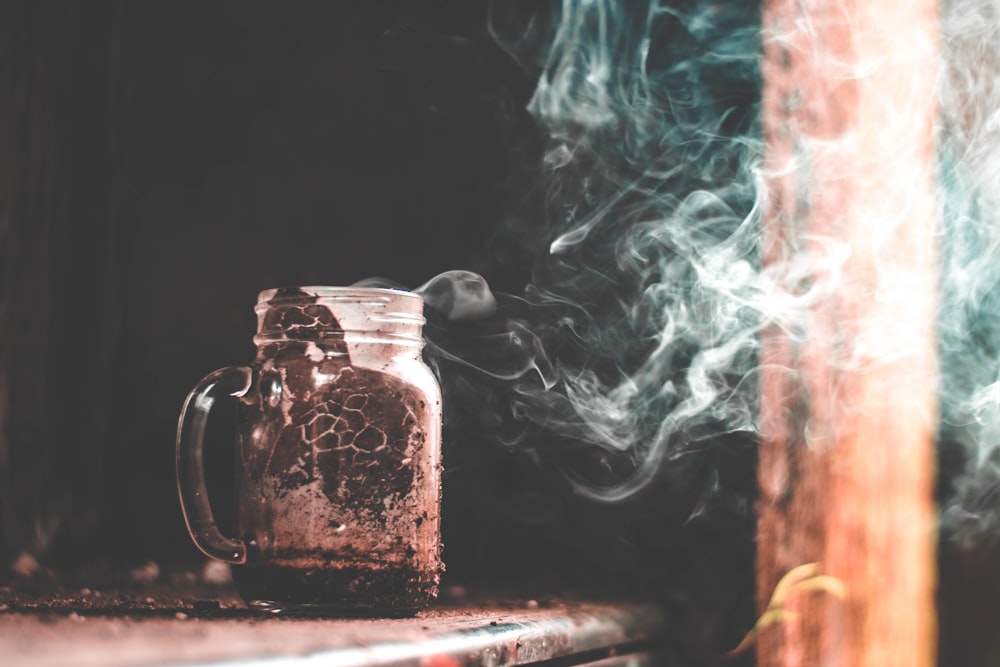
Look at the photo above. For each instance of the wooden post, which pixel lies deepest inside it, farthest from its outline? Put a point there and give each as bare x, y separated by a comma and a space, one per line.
848, 406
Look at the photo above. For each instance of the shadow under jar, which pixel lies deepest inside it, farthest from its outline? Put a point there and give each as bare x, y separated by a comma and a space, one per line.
338, 473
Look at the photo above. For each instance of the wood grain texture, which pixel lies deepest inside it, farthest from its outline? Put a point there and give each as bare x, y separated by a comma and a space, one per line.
848, 380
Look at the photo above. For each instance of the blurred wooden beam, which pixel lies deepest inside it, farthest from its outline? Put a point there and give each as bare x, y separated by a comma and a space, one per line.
848, 382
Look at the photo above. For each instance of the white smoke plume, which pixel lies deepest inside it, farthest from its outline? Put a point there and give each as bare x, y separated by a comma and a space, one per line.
969, 325
638, 332
630, 360
645, 311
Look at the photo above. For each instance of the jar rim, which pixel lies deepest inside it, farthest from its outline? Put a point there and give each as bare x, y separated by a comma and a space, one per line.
345, 293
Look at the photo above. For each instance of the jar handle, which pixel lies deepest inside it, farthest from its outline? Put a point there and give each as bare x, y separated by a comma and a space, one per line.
230, 381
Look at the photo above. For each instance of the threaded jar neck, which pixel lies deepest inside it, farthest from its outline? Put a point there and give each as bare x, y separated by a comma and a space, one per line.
318, 313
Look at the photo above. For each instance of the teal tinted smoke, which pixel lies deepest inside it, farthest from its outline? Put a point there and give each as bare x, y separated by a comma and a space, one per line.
648, 304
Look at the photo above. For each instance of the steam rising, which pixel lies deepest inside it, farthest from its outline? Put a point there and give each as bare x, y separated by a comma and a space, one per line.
459, 295
633, 349
970, 318
624, 371
637, 334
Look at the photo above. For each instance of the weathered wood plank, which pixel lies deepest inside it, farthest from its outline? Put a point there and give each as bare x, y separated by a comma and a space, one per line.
848, 388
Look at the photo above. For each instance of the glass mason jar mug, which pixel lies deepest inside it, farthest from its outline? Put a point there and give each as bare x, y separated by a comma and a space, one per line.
338, 479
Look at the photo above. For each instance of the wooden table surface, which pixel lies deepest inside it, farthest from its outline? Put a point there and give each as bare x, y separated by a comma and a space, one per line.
161, 624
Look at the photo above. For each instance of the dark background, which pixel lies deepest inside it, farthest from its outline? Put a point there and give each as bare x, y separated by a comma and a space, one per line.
162, 163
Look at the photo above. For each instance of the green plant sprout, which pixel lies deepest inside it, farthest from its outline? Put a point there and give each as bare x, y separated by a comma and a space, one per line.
801, 579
